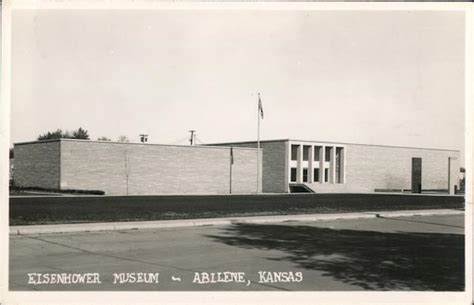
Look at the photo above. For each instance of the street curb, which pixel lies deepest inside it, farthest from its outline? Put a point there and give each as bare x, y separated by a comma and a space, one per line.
160, 224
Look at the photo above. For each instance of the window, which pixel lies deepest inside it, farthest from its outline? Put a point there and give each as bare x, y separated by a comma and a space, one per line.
293, 174
305, 175
339, 157
306, 152
327, 158
294, 152
317, 150
316, 175
326, 174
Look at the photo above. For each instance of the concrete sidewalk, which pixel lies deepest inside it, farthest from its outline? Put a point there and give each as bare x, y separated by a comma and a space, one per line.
136, 225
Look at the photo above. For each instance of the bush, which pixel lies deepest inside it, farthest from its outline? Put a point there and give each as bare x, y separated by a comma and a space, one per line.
68, 191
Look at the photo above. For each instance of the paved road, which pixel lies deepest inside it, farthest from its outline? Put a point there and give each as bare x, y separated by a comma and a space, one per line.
406, 253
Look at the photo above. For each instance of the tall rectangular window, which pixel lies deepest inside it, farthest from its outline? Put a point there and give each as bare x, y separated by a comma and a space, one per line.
327, 158
316, 175
339, 165
305, 175
326, 174
293, 174
306, 152
317, 150
294, 152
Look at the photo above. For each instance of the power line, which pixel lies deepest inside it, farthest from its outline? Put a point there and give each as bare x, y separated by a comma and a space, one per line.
181, 140
199, 141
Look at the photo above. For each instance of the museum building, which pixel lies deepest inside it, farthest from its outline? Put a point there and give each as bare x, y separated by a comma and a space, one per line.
282, 166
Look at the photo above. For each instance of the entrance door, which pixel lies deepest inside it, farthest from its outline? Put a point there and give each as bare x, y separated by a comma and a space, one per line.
416, 175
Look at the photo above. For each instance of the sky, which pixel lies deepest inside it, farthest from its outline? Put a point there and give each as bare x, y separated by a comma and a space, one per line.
370, 77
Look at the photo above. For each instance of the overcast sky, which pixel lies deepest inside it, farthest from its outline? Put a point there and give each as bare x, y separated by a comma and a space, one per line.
394, 78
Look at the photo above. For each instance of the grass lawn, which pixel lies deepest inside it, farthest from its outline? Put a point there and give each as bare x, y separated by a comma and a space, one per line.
78, 209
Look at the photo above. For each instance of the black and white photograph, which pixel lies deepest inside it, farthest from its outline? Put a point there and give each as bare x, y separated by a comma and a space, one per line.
237, 149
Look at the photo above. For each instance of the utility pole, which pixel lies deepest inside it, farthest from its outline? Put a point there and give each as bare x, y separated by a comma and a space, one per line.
259, 116
258, 145
192, 138
230, 168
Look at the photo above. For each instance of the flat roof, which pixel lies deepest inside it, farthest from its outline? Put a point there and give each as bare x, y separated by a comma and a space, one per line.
330, 142
128, 143
229, 144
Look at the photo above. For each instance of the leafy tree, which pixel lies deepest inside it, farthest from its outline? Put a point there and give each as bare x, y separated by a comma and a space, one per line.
105, 139
81, 134
59, 134
123, 139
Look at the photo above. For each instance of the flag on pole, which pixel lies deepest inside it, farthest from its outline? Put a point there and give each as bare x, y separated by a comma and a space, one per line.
260, 107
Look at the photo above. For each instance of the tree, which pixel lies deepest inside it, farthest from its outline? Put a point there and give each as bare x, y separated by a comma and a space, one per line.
81, 134
123, 139
59, 134
104, 139
12, 154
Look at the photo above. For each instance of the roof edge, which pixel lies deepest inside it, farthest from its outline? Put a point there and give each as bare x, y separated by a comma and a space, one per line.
229, 144
331, 142
127, 143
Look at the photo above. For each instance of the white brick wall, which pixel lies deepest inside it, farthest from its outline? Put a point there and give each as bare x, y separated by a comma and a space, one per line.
156, 169
273, 167
379, 167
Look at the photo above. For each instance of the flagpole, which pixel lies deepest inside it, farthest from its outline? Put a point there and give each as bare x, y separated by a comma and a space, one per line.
258, 143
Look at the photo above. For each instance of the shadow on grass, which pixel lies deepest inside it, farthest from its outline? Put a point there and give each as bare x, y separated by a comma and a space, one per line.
371, 260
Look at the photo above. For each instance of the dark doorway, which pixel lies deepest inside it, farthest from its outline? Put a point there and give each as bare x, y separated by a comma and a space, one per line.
416, 175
